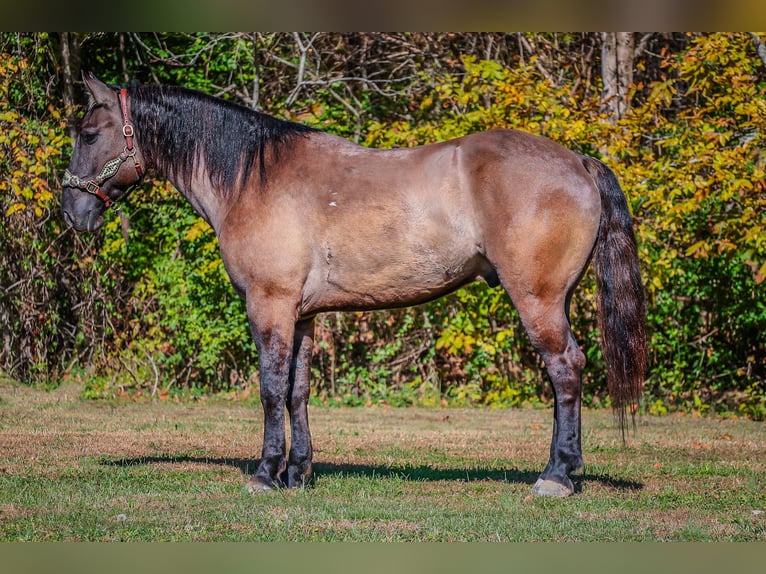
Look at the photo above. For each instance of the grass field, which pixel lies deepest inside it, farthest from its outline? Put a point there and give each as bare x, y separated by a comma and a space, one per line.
116, 471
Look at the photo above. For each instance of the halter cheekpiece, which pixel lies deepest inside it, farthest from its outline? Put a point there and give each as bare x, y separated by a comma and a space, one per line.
110, 169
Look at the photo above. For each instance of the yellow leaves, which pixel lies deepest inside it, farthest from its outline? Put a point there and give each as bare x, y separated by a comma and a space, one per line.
14, 208
55, 114
456, 343
662, 93
741, 184
703, 248
115, 241
699, 249
503, 335
29, 147
701, 183
761, 274
462, 342
113, 246
199, 228
9, 116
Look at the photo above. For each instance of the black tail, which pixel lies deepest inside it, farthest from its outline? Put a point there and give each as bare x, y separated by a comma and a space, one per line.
621, 306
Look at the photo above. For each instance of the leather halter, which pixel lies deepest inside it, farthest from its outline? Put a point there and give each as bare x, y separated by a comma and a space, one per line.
110, 169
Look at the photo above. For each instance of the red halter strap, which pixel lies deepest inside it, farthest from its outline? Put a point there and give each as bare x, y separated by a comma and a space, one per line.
128, 132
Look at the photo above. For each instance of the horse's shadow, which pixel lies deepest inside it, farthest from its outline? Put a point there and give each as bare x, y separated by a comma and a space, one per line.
422, 473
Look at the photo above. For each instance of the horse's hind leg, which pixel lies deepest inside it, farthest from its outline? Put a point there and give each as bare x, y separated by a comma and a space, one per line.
565, 371
548, 328
540, 271
540, 257
299, 462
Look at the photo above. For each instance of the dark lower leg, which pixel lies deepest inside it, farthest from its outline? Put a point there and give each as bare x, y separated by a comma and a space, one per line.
275, 358
566, 452
299, 463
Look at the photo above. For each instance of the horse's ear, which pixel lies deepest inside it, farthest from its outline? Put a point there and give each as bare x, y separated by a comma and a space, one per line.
98, 91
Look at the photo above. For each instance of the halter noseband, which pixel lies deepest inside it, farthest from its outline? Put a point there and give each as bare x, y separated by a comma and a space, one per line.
110, 169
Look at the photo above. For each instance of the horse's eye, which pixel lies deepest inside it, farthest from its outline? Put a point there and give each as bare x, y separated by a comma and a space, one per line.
89, 138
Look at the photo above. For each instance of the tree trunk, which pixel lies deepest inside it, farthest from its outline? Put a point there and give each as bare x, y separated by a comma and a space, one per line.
617, 53
67, 65
760, 47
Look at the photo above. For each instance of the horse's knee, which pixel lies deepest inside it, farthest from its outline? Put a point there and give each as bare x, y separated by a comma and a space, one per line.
274, 379
570, 362
273, 394
297, 404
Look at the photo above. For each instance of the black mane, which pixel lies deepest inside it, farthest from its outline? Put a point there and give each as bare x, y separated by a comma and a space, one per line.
176, 127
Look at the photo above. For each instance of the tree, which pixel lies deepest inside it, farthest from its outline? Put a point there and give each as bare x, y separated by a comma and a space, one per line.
617, 54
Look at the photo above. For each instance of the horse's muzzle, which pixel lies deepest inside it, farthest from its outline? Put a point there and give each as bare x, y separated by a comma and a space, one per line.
86, 218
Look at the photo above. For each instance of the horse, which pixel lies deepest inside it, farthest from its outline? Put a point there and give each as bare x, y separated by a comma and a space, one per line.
308, 222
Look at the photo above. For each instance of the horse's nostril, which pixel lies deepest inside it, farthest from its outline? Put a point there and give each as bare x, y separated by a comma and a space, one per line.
95, 220
68, 219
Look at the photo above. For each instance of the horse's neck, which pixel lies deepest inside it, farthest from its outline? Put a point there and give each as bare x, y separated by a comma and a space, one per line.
193, 181
202, 197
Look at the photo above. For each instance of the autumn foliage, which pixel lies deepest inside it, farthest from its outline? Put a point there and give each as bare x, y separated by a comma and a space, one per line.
155, 313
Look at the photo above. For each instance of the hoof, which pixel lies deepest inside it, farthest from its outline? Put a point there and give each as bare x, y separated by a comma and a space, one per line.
549, 488
298, 479
258, 484
302, 482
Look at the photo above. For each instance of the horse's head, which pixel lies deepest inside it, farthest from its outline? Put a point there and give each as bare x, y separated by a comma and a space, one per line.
105, 162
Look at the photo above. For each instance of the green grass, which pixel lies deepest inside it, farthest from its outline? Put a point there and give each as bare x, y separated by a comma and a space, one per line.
122, 471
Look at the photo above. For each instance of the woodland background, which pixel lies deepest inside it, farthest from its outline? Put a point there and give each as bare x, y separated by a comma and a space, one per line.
680, 117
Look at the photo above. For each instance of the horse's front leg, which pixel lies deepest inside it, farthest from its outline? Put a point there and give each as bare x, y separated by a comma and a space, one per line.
299, 463
273, 327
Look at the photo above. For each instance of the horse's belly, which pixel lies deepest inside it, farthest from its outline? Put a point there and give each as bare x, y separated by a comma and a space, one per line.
395, 247
380, 279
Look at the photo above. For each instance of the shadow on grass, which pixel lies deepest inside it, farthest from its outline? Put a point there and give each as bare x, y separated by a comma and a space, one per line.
248, 466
